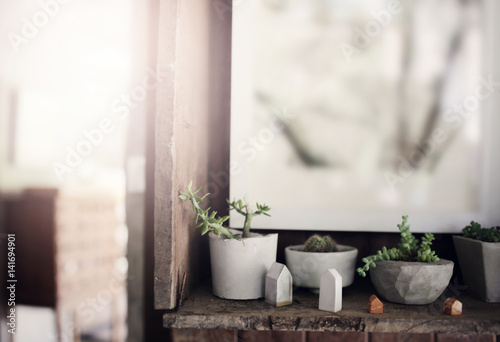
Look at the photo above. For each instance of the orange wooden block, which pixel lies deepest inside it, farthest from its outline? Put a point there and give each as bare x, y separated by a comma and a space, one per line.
375, 306
452, 307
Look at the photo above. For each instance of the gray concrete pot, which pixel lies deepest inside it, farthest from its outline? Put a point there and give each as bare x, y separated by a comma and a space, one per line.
414, 283
308, 267
480, 265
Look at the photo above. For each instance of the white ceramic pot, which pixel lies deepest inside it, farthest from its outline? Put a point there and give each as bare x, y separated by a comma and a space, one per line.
239, 267
308, 267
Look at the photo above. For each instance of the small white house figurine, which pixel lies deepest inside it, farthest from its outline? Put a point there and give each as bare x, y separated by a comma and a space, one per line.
279, 285
330, 291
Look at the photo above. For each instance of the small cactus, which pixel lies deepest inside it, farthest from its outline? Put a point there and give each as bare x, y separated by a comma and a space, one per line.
318, 244
330, 244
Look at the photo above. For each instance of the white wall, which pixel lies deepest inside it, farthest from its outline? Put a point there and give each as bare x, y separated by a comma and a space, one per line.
68, 63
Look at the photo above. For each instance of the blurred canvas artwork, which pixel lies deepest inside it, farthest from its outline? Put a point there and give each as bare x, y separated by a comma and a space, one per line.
367, 108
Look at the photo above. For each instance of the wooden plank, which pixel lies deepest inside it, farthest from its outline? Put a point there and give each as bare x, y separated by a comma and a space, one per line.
203, 310
192, 121
152, 330
165, 290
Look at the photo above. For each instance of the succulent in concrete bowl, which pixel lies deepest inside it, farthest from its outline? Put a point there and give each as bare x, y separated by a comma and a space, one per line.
410, 273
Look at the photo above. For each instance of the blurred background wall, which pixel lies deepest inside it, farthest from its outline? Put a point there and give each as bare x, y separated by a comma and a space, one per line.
76, 84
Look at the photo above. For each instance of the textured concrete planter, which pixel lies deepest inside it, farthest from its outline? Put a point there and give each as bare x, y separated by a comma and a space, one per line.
414, 283
239, 267
308, 267
480, 265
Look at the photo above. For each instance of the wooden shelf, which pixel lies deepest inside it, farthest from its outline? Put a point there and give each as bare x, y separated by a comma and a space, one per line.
202, 310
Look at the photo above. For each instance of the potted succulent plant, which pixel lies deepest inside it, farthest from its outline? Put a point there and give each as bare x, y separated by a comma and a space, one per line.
478, 252
309, 261
412, 273
239, 259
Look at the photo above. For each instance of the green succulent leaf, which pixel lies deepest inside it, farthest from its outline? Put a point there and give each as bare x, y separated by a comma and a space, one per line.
205, 228
204, 219
409, 249
475, 231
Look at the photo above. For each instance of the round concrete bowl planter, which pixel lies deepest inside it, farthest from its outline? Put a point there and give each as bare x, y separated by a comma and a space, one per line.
308, 267
239, 266
413, 283
480, 264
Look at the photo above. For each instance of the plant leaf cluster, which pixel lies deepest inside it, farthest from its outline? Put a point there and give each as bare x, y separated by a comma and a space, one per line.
408, 250
209, 221
204, 219
318, 244
475, 231
243, 207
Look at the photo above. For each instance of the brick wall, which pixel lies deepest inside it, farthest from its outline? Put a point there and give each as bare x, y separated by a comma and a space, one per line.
205, 335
